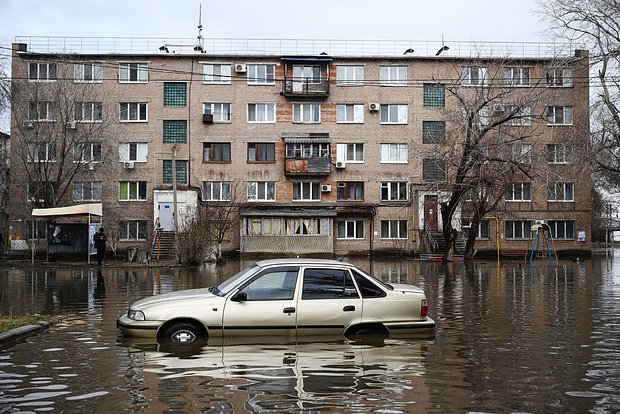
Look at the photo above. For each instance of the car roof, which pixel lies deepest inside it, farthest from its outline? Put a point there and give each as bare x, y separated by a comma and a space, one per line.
301, 261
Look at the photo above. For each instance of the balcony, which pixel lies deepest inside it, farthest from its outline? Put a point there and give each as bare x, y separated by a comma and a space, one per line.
307, 166
305, 87
306, 76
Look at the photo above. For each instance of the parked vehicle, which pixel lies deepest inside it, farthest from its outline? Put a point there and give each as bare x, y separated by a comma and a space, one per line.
283, 297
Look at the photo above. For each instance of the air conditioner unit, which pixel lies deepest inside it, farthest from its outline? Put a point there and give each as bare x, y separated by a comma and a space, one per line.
129, 165
373, 106
240, 67
341, 164
207, 118
326, 188
71, 125
28, 124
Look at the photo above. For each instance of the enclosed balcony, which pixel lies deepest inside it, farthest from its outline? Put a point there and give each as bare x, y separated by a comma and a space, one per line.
306, 77
307, 154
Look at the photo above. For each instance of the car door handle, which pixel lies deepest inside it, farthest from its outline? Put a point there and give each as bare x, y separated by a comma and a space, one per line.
289, 310
349, 308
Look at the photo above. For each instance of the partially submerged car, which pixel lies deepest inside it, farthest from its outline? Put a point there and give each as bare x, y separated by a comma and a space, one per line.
283, 297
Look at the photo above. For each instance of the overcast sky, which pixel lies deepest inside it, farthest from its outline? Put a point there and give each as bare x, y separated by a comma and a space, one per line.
481, 20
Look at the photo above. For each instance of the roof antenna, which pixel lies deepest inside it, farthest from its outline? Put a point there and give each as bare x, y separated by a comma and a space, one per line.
200, 45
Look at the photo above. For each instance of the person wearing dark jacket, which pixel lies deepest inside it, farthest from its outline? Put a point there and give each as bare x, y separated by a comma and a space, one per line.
100, 239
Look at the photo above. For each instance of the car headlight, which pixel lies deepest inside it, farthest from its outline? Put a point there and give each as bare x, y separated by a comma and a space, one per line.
136, 315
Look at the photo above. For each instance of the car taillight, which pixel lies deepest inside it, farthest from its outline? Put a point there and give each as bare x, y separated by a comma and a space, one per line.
424, 308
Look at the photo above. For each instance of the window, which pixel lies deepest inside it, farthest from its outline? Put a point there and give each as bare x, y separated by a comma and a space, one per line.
560, 191
310, 150
521, 153
261, 74
561, 229
175, 94
394, 229
350, 152
132, 230
175, 132
88, 111
433, 132
133, 73
518, 229
394, 153
518, 115
306, 190
181, 171
560, 115
221, 111
87, 191
433, 170
394, 191
133, 111
87, 152
350, 229
517, 76
521, 191
261, 152
350, 75
302, 226
309, 113
559, 153
473, 75
41, 191
216, 73
328, 284
393, 76
560, 77
133, 151
41, 151
273, 284
307, 74
42, 71
350, 191
267, 226
350, 113
484, 229
42, 111
393, 114
262, 112
434, 95
216, 152
216, 191
132, 190
39, 229
261, 191
88, 72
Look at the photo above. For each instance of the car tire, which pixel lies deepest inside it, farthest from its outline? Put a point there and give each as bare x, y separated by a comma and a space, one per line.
182, 333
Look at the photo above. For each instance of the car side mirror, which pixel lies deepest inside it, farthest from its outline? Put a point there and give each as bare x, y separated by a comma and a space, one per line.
239, 297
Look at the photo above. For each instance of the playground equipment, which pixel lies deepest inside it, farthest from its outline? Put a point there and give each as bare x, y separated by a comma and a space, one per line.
542, 230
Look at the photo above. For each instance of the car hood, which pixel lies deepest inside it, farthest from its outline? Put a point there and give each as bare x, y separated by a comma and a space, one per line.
202, 293
406, 288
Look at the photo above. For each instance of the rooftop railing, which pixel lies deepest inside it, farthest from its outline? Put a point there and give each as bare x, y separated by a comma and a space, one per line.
295, 47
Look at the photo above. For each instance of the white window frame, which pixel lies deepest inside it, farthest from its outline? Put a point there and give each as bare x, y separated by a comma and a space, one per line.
217, 73
137, 185
267, 109
517, 76
83, 152
49, 149
519, 192
521, 117
394, 229
47, 108
261, 191
306, 113
140, 149
80, 187
311, 187
133, 107
216, 191
350, 152
521, 153
558, 78
474, 75
221, 111
88, 72
125, 70
255, 77
554, 224
559, 153
559, 115
394, 153
51, 75
349, 113
466, 225
394, 187
88, 112
350, 75
393, 75
350, 229
561, 192
523, 226
129, 230
394, 114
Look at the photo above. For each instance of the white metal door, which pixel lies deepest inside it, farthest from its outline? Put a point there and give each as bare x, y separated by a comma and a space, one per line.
166, 216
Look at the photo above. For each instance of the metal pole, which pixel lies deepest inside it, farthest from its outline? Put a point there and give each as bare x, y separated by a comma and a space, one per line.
174, 199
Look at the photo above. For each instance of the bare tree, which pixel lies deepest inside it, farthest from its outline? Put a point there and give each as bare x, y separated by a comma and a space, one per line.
597, 24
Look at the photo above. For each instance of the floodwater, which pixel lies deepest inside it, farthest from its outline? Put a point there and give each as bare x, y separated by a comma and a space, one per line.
540, 339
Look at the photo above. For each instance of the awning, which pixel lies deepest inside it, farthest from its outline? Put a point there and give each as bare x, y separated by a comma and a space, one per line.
92, 209
305, 138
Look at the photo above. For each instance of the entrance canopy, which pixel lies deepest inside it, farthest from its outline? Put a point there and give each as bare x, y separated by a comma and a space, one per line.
79, 210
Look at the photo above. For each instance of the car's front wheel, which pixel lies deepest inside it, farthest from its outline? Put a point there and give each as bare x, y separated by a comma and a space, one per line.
182, 333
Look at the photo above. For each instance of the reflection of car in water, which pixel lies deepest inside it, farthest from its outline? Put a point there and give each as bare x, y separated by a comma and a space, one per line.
285, 297
305, 372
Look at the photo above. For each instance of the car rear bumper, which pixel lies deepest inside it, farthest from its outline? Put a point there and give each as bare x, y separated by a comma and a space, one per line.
410, 326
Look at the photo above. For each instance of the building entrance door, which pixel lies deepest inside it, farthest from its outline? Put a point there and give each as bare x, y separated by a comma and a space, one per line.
166, 216
431, 213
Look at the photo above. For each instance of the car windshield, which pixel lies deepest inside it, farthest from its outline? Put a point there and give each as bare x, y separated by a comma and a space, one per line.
229, 284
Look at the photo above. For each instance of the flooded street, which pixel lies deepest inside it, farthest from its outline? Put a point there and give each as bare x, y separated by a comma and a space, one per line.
515, 339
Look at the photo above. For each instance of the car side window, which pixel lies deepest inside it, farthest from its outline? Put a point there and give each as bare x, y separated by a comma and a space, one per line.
328, 284
367, 288
273, 284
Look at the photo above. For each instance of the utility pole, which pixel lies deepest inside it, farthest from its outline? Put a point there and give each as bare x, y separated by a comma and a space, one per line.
174, 200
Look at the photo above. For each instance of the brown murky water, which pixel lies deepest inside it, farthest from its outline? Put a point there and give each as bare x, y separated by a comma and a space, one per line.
514, 339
